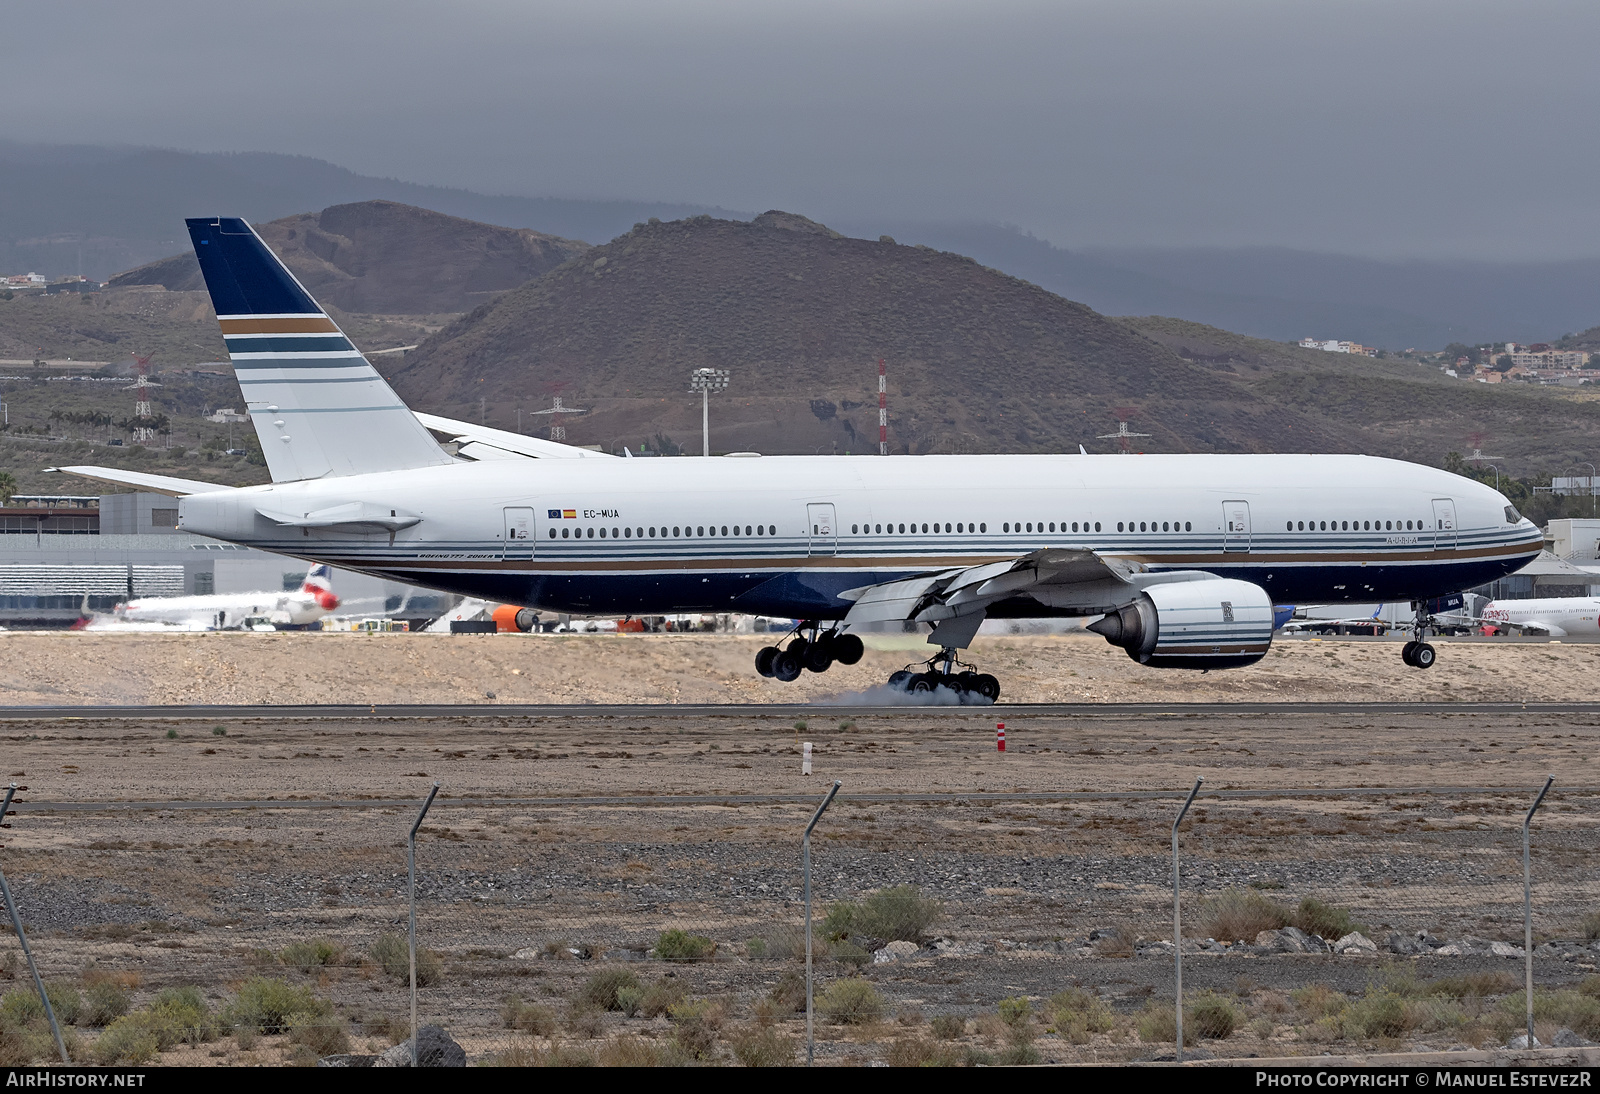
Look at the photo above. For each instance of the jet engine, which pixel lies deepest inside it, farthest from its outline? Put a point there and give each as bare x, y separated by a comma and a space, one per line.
1214, 623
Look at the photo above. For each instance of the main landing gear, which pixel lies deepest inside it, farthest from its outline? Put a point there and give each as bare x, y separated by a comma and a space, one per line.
814, 654
940, 671
1417, 653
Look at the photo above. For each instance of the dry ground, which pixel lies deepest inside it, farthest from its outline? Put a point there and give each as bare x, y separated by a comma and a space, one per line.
209, 897
51, 668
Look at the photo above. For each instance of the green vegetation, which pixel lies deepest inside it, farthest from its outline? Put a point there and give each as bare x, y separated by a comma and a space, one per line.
947, 1027
273, 1006
315, 954
1235, 915
603, 989
1211, 1015
899, 913
393, 953
764, 1047
851, 1001
1076, 1013
676, 945
528, 1017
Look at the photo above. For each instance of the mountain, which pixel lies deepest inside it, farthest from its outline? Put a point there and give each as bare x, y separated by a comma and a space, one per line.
978, 361
387, 258
96, 211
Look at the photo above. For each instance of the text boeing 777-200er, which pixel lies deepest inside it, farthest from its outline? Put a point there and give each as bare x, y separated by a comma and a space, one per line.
1179, 558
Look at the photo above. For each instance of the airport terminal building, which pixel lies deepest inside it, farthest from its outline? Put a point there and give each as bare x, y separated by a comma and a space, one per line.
62, 553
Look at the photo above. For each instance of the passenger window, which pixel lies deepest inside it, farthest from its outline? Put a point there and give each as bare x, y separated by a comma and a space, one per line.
591, 533
983, 527
1186, 527
1119, 526
1163, 526
855, 530
1074, 526
602, 533
724, 529
902, 529
553, 532
879, 529
563, 533
946, 526
1006, 527
1096, 526
1141, 526
960, 527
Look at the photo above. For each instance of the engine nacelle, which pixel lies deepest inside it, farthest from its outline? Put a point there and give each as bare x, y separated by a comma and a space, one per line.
1216, 623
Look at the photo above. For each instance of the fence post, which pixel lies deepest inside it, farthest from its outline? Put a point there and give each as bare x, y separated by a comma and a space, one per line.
1177, 918
1527, 902
16, 925
411, 932
805, 869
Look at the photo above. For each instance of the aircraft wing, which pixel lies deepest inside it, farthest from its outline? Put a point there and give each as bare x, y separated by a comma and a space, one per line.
1528, 627
477, 442
956, 601
155, 484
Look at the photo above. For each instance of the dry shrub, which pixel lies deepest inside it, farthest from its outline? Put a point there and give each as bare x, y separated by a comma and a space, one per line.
1324, 920
1157, 1023
676, 945
315, 954
1117, 942
630, 1051
1018, 1056
584, 1021
789, 993
1212, 1015
893, 914
947, 1027
851, 1001
921, 1052
1076, 1013
392, 1028
601, 989
1590, 926
763, 1047
267, 1006
533, 1054
1379, 1013
1575, 1010
324, 1035
663, 994
65, 1001
124, 1042
393, 953
1241, 914
1590, 986
106, 998
1474, 985
1318, 1000
695, 1023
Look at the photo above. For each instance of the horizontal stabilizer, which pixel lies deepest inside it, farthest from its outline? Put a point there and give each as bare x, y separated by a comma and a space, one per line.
155, 484
479, 442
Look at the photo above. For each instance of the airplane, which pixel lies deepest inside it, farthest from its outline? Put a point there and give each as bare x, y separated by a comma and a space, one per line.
1556, 616
1178, 559
221, 611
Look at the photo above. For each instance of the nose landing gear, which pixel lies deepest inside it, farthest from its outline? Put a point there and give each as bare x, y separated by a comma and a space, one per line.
1417, 653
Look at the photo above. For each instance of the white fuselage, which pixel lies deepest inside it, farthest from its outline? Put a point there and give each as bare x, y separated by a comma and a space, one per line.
223, 610
785, 535
1556, 615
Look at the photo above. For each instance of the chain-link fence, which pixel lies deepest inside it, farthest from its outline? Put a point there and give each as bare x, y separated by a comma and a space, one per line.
946, 929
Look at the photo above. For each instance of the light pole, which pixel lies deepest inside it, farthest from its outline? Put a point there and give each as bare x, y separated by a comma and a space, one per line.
705, 381
1590, 466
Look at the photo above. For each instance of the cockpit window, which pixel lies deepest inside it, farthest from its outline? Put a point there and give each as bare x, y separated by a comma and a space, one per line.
1512, 516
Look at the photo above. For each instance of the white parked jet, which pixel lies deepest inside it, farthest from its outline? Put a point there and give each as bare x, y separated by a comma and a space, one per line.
1556, 616
313, 600
1178, 559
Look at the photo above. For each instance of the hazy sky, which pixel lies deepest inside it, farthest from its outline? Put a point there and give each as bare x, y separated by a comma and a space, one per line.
1392, 128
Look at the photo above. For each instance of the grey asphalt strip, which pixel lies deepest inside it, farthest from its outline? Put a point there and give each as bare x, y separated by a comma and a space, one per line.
765, 710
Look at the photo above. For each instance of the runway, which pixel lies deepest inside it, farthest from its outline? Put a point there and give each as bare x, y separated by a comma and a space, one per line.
418, 712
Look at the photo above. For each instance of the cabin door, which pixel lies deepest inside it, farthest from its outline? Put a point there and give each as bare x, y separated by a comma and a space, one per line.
1236, 526
1444, 524
819, 522
519, 532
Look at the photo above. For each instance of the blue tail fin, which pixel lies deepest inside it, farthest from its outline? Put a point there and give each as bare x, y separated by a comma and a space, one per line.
319, 408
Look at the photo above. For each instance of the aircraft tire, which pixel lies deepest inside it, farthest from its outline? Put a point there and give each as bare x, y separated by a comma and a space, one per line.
1423, 656
900, 680
786, 666
1407, 650
923, 683
986, 686
818, 656
764, 660
848, 648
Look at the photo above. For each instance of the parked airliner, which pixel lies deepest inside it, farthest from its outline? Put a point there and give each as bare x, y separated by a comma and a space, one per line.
1556, 616
221, 611
1177, 558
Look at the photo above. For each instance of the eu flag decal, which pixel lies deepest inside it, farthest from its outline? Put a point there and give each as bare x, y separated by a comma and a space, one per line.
553, 514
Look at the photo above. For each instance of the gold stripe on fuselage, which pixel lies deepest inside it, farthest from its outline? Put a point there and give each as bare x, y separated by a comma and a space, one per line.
299, 324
